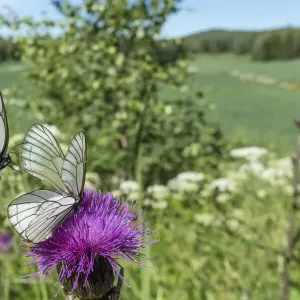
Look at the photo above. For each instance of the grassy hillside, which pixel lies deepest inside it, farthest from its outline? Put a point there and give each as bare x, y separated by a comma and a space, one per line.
247, 109
217, 34
256, 101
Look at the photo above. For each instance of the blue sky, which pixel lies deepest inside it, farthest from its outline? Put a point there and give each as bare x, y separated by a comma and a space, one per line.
199, 15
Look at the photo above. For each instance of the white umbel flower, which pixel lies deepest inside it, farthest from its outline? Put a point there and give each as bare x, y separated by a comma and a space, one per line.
249, 153
223, 185
254, 167
129, 186
190, 176
158, 191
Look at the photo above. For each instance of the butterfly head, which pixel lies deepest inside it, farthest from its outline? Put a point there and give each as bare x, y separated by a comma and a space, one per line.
5, 161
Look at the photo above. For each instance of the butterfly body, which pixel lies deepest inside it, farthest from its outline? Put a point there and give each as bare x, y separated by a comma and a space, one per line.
5, 158
5, 161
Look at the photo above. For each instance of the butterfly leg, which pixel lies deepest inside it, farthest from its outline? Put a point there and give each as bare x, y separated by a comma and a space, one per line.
14, 168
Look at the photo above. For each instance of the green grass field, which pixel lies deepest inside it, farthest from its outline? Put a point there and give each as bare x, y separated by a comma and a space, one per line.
11, 77
259, 114
248, 111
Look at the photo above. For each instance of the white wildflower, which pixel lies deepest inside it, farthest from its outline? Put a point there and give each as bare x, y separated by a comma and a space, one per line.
223, 185
158, 191
190, 176
186, 182
284, 164
129, 186
253, 167
204, 218
274, 174
160, 205
183, 186
249, 153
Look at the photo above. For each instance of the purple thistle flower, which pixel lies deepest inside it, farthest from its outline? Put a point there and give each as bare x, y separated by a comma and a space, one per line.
6, 242
86, 247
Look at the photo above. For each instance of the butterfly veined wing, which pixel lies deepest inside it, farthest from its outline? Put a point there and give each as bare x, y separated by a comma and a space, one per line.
36, 215
4, 132
74, 166
42, 156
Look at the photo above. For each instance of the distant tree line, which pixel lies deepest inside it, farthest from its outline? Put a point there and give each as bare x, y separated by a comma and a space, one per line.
263, 46
280, 44
8, 50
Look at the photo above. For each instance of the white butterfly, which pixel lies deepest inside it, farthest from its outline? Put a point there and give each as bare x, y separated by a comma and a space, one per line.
5, 158
37, 214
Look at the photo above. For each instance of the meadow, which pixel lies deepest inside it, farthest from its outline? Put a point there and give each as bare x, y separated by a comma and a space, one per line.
218, 226
250, 112
254, 112
202, 145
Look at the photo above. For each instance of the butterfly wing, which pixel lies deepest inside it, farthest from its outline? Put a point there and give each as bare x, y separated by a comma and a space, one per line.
74, 165
36, 215
4, 132
42, 156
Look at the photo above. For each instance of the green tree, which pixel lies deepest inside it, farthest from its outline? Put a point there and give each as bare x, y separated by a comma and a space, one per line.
106, 73
267, 47
280, 44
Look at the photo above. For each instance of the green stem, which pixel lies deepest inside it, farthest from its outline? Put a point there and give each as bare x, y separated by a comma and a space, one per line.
145, 279
44, 292
6, 279
147, 93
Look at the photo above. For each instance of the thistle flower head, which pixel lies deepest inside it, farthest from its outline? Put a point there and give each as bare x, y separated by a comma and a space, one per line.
86, 248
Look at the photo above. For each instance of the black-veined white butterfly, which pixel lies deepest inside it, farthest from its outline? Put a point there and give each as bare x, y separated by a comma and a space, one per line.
37, 214
5, 158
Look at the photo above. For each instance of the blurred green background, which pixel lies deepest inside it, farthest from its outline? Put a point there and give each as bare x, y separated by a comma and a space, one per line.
197, 128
